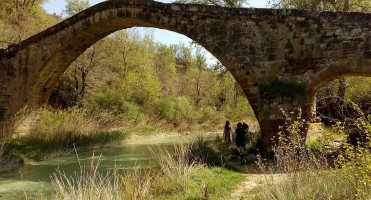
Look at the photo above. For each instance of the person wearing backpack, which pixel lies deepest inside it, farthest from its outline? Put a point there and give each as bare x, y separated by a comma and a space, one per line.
240, 138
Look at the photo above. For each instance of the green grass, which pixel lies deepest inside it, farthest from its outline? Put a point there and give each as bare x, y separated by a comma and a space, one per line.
314, 145
204, 183
178, 177
39, 148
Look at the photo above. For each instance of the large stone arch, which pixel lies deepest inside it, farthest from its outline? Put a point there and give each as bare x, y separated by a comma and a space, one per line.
258, 46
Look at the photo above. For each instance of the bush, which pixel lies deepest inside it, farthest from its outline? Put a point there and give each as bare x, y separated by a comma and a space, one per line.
62, 131
185, 111
306, 174
165, 109
314, 145
112, 100
242, 110
207, 112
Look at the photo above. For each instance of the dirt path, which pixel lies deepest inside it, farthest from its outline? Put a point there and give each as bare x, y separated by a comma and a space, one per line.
252, 181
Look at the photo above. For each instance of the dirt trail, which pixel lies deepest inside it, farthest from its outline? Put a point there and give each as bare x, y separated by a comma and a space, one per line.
252, 181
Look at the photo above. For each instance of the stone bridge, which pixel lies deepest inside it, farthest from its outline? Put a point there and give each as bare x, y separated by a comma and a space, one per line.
279, 58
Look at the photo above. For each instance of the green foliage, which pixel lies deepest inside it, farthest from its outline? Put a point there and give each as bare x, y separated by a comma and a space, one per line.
21, 19
60, 132
358, 89
165, 109
185, 111
356, 160
314, 145
307, 173
241, 110
141, 87
75, 6
140, 73
207, 112
280, 87
114, 101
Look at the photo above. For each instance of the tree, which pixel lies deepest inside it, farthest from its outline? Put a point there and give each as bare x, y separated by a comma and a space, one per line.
75, 6
20, 19
164, 63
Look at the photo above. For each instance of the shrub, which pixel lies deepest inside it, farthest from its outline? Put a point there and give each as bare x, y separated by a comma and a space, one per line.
113, 101
242, 110
356, 160
185, 111
165, 109
314, 145
61, 131
306, 174
207, 112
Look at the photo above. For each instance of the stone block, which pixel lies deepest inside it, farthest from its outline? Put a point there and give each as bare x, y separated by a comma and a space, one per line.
309, 41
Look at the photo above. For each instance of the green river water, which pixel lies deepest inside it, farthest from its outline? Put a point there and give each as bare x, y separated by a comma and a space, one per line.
34, 177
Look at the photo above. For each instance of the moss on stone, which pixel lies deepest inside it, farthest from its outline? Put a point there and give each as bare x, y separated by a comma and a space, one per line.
304, 24
359, 40
336, 41
289, 45
302, 41
301, 53
284, 88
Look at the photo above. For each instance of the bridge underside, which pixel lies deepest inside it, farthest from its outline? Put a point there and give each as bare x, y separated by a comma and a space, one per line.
279, 59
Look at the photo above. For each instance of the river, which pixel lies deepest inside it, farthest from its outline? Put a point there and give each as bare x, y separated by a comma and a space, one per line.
34, 177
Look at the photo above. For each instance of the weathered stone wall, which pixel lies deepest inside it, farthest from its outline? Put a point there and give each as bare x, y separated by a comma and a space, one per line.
293, 52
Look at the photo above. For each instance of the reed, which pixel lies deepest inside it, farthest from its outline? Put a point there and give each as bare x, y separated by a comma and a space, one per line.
178, 177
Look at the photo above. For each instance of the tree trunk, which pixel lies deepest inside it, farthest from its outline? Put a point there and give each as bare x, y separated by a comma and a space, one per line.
346, 6
342, 88
83, 84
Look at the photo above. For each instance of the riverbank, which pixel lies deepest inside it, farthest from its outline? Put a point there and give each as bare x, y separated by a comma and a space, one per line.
202, 178
183, 172
20, 151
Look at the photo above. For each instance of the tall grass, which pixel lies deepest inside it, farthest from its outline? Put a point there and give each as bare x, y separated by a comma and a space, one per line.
3, 155
306, 174
62, 131
93, 184
178, 177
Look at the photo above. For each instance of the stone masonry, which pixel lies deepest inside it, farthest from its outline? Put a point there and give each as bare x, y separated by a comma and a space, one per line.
280, 58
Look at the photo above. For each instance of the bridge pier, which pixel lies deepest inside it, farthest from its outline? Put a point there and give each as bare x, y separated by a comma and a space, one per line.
298, 104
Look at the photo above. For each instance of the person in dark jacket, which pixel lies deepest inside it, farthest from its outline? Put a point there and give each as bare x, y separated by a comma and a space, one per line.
246, 128
240, 138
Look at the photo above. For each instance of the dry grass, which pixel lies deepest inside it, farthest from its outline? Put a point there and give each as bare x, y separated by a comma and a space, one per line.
3, 154
306, 174
59, 132
92, 184
178, 177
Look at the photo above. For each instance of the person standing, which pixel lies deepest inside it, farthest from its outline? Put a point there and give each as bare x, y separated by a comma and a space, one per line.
227, 132
245, 126
240, 138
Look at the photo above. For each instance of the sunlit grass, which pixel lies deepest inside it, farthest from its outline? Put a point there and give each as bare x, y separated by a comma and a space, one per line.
180, 176
60, 132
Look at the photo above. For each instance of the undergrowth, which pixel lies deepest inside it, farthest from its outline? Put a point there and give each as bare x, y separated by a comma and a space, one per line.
306, 174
